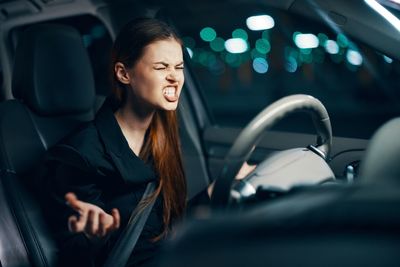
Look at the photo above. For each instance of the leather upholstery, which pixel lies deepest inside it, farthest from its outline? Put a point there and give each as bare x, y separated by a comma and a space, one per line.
381, 163
52, 71
54, 90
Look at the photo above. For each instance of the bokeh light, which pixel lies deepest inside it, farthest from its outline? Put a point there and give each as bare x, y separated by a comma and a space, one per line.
354, 57
236, 45
218, 44
260, 22
240, 33
190, 52
208, 34
263, 46
260, 65
306, 40
291, 64
331, 47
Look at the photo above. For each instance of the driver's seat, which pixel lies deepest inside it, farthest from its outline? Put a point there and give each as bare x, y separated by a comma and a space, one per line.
54, 92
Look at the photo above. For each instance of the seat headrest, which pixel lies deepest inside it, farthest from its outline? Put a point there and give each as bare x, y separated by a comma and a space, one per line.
52, 71
381, 163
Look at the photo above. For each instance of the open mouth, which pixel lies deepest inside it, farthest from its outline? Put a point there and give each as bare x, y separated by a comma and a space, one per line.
170, 93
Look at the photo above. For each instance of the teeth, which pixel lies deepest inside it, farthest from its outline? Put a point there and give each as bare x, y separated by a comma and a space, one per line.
169, 91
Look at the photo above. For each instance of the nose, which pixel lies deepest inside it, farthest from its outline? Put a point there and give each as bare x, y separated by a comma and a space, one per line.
172, 76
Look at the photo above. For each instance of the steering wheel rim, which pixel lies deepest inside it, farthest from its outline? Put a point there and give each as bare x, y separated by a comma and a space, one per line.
250, 136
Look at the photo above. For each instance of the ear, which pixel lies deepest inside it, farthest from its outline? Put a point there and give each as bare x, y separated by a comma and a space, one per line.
122, 73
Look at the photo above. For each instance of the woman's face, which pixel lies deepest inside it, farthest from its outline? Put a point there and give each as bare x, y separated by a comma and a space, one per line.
157, 78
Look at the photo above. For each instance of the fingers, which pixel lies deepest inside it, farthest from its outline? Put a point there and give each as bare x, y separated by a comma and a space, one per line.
116, 219
72, 224
92, 220
76, 225
245, 170
92, 223
95, 224
73, 202
102, 225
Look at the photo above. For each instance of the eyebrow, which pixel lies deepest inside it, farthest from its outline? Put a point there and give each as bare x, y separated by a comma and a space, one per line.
166, 64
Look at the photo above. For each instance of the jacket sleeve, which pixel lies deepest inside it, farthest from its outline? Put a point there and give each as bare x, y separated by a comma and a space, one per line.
66, 170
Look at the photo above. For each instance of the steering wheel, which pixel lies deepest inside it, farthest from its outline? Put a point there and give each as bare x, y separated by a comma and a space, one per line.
301, 165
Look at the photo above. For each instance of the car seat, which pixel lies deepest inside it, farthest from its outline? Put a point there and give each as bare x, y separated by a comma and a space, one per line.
381, 163
54, 92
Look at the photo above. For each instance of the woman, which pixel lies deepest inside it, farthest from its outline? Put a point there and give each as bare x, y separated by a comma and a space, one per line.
102, 169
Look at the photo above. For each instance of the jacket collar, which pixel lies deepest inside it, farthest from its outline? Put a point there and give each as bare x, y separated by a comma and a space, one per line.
131, 167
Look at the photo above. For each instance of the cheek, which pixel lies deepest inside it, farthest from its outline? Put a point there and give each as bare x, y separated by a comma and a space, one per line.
148, 85
181, 78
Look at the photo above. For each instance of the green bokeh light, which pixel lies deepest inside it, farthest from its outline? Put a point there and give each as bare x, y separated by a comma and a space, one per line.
255, 54
240, 33
294, 35
322, 38
232, 60
218, 44
265, 34
305, 51
342, 40
203, 58
263, 46
208, 34
291, 52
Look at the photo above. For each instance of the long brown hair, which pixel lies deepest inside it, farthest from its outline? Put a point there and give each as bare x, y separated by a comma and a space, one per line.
162, 143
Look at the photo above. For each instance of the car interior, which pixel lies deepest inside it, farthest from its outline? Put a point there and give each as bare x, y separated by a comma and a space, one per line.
341, 202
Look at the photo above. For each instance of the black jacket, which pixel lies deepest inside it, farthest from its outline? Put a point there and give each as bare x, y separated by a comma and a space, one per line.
96, 163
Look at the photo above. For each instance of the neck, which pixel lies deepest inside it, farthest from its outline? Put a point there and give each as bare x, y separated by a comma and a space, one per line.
134, 124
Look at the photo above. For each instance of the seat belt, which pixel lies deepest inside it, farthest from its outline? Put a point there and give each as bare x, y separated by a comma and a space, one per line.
126, 242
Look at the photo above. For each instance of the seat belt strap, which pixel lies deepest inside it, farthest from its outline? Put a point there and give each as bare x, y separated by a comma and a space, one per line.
125, 244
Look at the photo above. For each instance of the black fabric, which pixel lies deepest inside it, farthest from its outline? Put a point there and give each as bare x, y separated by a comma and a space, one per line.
97, 164
52, 71
123, 247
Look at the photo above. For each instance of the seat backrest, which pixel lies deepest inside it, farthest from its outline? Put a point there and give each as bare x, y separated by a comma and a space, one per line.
54, 92
381, 162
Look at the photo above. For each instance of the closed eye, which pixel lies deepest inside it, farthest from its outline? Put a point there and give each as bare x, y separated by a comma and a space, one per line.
180, 66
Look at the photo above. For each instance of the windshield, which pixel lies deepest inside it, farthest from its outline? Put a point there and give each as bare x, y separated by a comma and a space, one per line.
245, 57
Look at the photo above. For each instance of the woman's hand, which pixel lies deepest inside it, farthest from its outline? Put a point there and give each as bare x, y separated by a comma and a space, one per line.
93, 221
243, 172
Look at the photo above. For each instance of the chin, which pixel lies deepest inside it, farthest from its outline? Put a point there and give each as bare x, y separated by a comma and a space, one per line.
170, 106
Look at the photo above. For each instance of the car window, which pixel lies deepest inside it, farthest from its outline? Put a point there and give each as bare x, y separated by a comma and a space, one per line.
97, 41
241, 70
